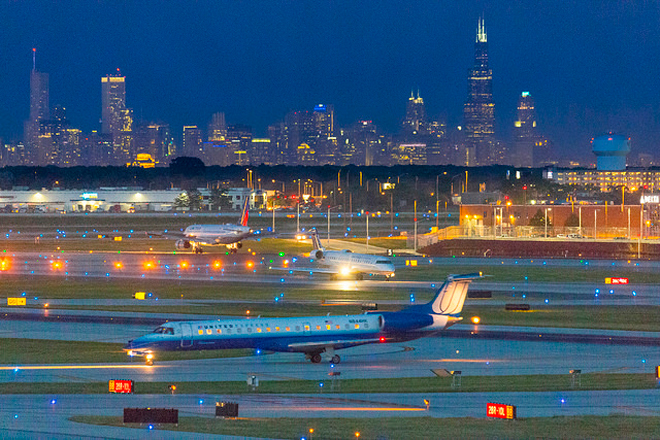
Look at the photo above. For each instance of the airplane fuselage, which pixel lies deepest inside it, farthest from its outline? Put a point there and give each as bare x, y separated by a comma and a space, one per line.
216, 234
300, 334
348, 262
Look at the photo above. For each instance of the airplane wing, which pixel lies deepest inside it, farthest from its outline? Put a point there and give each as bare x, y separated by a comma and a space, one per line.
305, 347
172, 235
309, 270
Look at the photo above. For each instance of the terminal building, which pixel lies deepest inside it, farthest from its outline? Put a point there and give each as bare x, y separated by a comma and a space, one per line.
116, 200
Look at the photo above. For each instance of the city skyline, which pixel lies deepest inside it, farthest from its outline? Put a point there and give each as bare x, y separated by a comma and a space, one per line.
614, 104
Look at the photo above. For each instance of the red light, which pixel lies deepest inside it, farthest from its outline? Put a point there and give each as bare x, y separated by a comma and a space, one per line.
382, 339
506, 197
525, 187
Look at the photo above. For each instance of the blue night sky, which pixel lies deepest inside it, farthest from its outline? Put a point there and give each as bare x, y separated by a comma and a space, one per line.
591, 66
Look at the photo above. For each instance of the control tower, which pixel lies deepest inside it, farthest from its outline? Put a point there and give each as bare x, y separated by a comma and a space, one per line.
611, 151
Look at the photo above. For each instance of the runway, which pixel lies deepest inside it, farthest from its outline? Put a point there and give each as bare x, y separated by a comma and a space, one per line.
475, 351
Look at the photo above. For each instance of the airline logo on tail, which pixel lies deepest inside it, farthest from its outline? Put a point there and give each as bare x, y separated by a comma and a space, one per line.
244, 213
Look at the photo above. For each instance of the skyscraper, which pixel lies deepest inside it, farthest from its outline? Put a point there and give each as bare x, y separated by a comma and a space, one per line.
479, 109
39, 111
415, 121
116, 118
524, 131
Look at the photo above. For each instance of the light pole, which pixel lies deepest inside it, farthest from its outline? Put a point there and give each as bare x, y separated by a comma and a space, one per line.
546, 222
415, 218
595, 224
628, 223
328, 226
367, 231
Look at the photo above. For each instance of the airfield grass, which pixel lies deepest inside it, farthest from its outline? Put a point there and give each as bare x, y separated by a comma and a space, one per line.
21, 352
412, 428
470, 384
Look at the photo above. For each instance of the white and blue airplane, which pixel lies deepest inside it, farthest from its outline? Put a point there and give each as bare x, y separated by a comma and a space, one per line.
229, 235
315, 336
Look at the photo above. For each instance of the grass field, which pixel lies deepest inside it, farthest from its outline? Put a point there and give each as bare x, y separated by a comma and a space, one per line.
18, 352
413, 428
470, 384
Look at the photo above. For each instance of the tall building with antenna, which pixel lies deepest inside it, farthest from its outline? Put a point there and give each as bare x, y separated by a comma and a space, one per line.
479, 109
116, 118
39, 111
415, 121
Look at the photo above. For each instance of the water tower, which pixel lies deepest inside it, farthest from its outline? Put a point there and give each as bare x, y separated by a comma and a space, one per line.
611, 151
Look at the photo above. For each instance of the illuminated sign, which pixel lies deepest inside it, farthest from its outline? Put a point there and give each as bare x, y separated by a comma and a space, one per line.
650, 198
120, 386
616, 280
657, 372
499, 411
16, 301
89, 195
140, 295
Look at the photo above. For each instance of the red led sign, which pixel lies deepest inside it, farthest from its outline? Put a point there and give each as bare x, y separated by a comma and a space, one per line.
500, 411
120, 386
617, 280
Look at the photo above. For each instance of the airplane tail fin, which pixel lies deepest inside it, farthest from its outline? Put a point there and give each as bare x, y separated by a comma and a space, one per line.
316, 241
451, 295
244, 213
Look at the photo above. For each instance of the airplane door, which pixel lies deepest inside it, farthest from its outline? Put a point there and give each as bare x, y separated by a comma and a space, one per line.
186, 335
307, 329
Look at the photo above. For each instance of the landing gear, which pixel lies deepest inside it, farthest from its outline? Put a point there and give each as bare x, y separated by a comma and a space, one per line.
316, 358
359, 276
149, 362
197, 250
336, 359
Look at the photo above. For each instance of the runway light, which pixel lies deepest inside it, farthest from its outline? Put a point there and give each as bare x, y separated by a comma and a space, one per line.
476, 320
53, 402
118, 265
563, 401
250, 264
247, 312
184, 265
201, 401
382, 339
357, 434
151, 427
546, 300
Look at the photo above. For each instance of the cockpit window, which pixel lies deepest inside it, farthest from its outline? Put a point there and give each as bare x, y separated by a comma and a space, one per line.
383, 262
165, 330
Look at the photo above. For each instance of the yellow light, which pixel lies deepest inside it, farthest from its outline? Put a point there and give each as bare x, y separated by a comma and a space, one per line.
247, 312
476, 320
119, 265
217, 264
150, 356
357, 434
148, 265
250, 264
311, 430
184, 265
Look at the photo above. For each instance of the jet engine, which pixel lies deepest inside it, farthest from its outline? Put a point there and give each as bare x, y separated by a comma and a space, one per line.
319, 254
182, 244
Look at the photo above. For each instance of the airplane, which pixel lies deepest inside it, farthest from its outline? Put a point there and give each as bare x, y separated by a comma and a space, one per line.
345, 262
315, 336
230, 235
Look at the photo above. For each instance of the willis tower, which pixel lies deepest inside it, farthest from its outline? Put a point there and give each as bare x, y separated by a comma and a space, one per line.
479, 109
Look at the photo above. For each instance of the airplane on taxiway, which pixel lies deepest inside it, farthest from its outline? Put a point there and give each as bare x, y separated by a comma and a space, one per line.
344, 262
230, 235
315, 336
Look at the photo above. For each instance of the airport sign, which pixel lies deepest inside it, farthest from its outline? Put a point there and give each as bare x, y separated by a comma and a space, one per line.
616, 280
16, 301
500, 411
120, 386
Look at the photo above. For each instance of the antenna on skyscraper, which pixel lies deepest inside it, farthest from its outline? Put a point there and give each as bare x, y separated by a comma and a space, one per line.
34, 58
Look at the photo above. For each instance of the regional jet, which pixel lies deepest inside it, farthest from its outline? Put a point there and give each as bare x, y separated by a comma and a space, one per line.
230, 235
345, 262
314, 336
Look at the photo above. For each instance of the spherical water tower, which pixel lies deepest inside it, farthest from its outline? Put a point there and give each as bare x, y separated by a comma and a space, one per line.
611, 151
